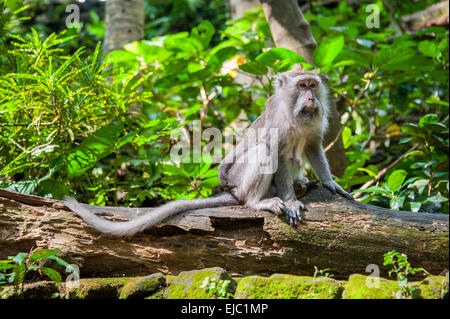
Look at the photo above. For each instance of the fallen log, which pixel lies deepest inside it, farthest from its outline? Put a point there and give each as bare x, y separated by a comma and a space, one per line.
338, 234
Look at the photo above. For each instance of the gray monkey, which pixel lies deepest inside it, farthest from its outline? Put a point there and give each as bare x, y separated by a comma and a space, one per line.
261, 170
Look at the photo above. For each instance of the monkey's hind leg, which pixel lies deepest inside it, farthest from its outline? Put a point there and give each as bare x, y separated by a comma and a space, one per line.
254, 185
274, 205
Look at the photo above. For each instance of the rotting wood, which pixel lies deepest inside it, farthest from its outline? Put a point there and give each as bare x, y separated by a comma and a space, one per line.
338, 234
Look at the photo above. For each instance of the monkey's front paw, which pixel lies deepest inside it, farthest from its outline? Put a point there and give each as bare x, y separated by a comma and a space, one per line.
335, 188
294, 212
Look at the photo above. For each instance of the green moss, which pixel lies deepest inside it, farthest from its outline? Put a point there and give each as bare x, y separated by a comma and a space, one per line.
280, 286
142, 287
358, 287
170, 279
36, 290
187, 284
9, 293
433, 287
98, 288
157, 295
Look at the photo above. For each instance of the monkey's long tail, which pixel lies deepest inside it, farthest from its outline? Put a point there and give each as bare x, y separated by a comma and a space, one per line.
140, 223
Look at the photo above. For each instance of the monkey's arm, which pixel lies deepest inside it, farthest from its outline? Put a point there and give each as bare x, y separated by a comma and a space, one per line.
316, 157
284, 183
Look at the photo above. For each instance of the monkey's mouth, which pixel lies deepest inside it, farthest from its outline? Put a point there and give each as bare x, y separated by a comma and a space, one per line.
309, 111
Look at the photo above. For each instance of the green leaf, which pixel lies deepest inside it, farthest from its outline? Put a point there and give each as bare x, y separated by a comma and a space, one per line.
371, 170
351, 58
428, 119
52, 274
23, 187
6, 264
210, 182
20, 257
396, 179
65, 264
254, 67
280, 59
429, 49
42, 254
93, 148
326, 22
176, 180
413, 129
19, 273
388, 59
13, 4
415, 206
327, 51
397, 202
346, 135
373, 189
173, 170
436, 199
203, 33
443, 46
217, 59
126, 139
56, 188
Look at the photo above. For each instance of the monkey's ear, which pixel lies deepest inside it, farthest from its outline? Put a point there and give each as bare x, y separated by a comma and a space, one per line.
324, 78
298, 68
279, 81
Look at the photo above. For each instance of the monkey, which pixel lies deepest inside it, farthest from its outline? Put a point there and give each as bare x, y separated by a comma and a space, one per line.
261, 170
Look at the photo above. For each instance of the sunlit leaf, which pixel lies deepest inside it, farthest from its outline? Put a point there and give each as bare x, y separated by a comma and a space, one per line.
327, 51
396, 179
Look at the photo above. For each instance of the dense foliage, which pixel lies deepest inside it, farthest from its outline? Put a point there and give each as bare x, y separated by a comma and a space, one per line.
76, 122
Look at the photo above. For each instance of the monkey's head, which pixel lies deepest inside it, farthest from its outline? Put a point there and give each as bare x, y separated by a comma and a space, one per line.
305, 94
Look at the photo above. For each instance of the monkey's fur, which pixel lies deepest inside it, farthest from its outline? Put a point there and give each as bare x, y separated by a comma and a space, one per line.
298, 111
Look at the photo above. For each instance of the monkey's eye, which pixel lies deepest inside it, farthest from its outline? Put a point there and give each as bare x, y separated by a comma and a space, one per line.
303, 84
312, 85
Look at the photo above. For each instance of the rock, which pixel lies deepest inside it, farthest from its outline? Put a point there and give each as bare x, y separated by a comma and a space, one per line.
98, 288
279, 286
365, 287
37, 290
433, 287
187, 284
143, 287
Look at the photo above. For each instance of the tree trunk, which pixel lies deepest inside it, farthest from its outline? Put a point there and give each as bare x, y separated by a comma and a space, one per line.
124, 23
289, 27
338, 234
290, 30
436, 14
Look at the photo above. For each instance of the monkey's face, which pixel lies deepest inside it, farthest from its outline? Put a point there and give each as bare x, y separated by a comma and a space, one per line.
306, 103
304, 94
